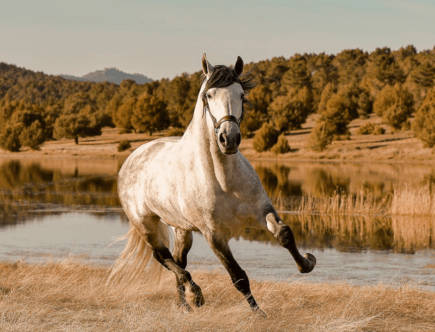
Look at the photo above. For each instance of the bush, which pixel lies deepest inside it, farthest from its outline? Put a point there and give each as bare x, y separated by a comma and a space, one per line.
124, 145
378, 130
366, 129
10, 138
320, 137
394, 104
370, 128
424, 125
122, 131
265, 138
281, 146
175, 132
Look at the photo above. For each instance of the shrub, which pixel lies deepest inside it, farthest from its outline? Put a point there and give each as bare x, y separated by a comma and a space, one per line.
424, 125
10, 138
366, 129
265, 138
175, 132
394, 104
281, 146
320, 137
378, 130
122, 131
370, 128
124, 145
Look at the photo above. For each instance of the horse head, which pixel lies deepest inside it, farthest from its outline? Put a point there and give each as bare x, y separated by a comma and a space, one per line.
223, 97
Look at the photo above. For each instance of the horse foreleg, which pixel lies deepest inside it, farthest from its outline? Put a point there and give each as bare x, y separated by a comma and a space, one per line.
183, 244
238, 275
285, 237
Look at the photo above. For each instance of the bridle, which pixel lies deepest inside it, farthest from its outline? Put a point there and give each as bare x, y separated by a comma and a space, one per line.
217, 124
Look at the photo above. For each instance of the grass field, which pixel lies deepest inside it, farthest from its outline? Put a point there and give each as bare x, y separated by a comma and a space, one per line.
69, 296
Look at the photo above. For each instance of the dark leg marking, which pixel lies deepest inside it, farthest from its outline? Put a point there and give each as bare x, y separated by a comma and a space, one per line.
164, 257
238, 275
284, 235
183, 243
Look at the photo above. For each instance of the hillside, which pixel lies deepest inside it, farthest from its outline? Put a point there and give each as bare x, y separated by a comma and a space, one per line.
111, 75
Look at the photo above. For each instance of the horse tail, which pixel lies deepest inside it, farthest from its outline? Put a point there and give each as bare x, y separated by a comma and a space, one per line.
137, 257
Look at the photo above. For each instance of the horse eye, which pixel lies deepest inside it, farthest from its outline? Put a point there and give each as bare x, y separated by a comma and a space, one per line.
208, 95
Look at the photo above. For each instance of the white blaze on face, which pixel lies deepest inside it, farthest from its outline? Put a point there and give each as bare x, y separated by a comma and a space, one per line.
225, 101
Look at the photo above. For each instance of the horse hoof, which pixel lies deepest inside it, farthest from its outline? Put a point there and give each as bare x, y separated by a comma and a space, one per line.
186, 308
194, 295
260, 313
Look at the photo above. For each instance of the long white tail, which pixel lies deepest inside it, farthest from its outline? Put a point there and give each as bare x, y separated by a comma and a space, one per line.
137, 257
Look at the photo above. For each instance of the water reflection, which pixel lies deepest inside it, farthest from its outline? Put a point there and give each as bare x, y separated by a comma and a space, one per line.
401, 234
25, 188
29, 187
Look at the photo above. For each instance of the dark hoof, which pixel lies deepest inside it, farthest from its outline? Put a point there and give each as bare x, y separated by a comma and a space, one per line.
258, 312
194, 295
310, 263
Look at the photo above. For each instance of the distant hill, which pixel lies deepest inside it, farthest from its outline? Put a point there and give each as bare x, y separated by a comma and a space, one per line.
112, 75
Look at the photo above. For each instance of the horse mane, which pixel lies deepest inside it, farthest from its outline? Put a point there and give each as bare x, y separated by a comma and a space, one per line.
224, 76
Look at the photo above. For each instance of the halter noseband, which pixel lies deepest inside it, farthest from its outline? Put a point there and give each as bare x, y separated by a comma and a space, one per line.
217, 124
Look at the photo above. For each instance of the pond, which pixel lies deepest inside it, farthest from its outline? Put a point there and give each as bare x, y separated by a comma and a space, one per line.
52, 209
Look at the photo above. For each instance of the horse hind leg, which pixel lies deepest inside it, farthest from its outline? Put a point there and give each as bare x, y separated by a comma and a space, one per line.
183, 244
185, 283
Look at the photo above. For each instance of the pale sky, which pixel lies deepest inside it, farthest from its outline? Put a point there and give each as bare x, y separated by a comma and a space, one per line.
167, 37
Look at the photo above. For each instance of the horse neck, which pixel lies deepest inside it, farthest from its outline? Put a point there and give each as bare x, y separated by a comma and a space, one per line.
201, 140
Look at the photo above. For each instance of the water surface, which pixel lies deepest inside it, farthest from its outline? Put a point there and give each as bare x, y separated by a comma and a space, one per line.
53, 209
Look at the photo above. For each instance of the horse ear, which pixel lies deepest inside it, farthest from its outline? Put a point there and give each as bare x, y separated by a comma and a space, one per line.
239, 66
207, 68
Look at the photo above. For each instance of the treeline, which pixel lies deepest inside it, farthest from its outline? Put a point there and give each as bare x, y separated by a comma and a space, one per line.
397, 85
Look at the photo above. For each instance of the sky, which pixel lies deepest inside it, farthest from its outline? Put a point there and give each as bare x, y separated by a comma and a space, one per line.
168, 37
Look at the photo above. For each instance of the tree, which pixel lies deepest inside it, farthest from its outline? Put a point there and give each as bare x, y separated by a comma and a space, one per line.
291, 111
297, 75
150, 114
383, 70
358, 100
26, 127
424, 124
122, 116
394, 104
10, 138
255, 109
71, 126
81, 118
350, 66
329, 90
336, 117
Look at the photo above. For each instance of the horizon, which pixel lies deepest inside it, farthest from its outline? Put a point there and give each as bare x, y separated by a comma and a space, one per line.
165, 39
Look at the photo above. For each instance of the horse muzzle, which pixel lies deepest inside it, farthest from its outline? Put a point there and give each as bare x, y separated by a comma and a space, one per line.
229, 137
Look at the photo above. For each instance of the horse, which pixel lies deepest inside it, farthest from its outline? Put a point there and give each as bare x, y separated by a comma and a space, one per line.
199, 182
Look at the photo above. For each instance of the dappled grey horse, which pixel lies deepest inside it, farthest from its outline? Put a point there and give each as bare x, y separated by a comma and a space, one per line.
199, 182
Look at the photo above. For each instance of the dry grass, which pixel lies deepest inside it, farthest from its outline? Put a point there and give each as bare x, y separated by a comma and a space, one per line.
406, 200
362, 203
69, 296
413, 200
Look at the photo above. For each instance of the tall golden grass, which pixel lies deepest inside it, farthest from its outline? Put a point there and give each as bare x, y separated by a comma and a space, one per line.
405, 200
342, 203
69, 296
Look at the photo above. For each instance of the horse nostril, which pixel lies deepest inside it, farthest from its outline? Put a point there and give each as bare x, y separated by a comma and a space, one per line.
222, 138
238, 139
